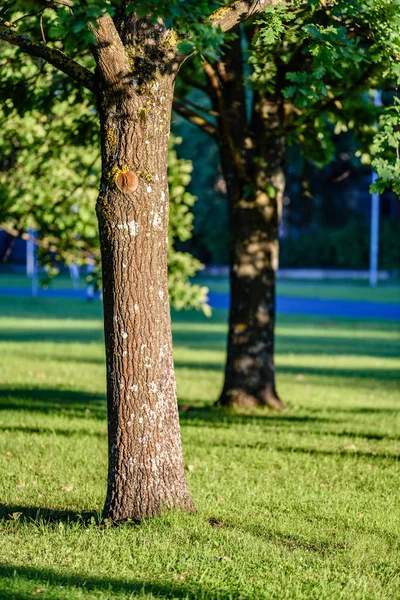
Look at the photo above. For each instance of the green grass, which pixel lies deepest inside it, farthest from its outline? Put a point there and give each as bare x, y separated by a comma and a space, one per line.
299, 505
386, 291
19, 280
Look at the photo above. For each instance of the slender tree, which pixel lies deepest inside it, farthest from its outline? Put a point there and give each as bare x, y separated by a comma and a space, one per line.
295, 77
252, 151
135, 55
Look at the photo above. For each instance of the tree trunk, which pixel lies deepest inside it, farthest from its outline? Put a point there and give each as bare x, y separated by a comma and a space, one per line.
145, 473
254, 247
252, 157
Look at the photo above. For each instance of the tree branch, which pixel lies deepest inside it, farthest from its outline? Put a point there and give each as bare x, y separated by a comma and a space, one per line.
215, 85
231, 15
198, 108
195, 118
109, 52
54, 57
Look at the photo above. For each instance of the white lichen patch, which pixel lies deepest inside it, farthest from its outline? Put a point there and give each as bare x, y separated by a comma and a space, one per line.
153, 386
124, 353
162, 196
157, 221
133, 228
124, 335
161, 294
124, 265
143, 346
136, 307
149, 188
133, 388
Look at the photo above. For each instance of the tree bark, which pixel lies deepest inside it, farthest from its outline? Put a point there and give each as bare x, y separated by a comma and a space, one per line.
145, 473
254, 211
252, 157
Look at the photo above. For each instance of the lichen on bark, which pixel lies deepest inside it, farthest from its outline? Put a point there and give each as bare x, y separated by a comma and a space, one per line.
146, 473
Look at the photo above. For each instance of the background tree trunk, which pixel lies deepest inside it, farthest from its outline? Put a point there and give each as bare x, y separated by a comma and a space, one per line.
252, 155
146, 472
254, 212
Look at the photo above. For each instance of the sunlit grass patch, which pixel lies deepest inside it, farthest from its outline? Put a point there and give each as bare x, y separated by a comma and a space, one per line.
301, 504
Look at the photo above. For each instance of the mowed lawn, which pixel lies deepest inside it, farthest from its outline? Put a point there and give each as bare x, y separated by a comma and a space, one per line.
342, 289
358, 290
299, 505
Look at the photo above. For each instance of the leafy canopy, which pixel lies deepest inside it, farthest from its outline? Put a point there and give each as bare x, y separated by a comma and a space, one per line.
320, 60
49, 174
65, 23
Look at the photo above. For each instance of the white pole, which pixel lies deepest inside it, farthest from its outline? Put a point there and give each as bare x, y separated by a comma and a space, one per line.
31, 264
74, 272
90, 286
374, 231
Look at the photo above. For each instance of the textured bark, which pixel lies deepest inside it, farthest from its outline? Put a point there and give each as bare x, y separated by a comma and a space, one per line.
136, 63
227, 17
252, 155
254, 249
146, 472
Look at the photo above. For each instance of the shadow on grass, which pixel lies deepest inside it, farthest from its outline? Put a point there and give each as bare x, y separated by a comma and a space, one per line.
49, 308
294, 542
360, 434
47, 516
207, 339
59, 355
12, 576
218, 418
365, 410
224, 417
209, 415
102, 433
297, 344
62, 336
49, 400
317, 452
83, 404
350, 373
